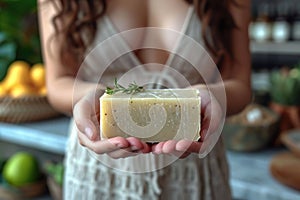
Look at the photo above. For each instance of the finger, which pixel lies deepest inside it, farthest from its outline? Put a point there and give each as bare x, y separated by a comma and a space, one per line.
188, 146
147, 148
103, 146
122, 153
204, 127
135, 143
211, 119
116, 147
206, 120
212, 130
169, 146
138, 145
157, 148
82, 114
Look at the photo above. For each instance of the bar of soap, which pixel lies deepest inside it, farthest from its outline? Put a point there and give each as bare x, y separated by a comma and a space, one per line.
153, 115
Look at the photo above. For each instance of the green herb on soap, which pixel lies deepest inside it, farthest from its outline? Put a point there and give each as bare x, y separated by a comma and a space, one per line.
131, 89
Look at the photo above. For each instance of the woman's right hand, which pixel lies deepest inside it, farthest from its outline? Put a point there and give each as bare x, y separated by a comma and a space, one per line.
86, 116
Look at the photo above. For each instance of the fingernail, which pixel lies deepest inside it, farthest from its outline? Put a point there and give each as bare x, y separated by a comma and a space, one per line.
134, 148
120, 145
88, 131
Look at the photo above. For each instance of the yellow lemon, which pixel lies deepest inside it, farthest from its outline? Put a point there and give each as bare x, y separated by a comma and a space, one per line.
22, 90
37, 75
18, 73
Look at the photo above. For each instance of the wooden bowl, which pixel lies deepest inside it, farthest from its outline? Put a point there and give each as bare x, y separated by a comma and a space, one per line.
30, 190
26, 109
284, 167
241, 136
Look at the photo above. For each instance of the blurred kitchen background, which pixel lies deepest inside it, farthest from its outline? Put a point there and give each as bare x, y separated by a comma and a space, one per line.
263, 141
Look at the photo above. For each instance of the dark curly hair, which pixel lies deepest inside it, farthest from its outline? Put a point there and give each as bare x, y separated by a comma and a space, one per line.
76, 16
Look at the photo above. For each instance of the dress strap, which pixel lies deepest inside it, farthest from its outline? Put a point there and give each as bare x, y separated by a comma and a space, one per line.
164, 73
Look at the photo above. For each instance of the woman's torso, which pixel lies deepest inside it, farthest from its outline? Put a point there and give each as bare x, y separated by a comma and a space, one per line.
153, 34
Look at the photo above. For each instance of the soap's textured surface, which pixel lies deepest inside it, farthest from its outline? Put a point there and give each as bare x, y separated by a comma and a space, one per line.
153, 115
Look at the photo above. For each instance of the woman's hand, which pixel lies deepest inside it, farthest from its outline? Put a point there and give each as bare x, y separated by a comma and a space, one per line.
86, 116
211, 116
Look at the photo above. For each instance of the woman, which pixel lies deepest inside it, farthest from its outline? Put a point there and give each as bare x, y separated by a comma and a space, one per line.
70, 27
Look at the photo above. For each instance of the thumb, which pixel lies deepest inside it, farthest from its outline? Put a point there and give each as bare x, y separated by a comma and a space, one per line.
83, 116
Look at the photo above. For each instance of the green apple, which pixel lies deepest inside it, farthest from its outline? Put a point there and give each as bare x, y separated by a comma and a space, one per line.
20, 169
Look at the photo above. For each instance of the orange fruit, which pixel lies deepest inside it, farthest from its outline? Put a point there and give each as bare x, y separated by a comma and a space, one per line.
37, 75
21, 90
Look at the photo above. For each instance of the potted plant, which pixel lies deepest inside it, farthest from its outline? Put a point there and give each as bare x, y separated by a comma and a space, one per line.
285, 96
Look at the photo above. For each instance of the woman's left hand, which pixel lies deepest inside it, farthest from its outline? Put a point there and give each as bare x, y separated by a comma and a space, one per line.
211, 116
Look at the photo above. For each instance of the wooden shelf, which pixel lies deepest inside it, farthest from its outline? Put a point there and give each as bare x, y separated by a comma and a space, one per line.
290, 48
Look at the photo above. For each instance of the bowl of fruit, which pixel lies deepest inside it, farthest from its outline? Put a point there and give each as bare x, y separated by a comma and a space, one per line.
21, 177
23, 94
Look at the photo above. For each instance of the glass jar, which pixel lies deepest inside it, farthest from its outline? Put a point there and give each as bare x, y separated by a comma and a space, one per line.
281, 31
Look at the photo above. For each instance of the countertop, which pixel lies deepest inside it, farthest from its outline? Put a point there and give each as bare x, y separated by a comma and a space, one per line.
250, 176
